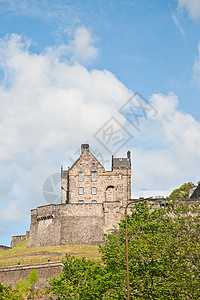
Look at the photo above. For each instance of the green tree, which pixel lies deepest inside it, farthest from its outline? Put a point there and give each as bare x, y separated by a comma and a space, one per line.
164, 252
182, 192
33, 277
81, 279
164, 259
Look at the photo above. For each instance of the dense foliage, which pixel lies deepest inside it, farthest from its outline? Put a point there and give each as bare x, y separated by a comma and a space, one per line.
81, 279
6, 293
164, 259
182, 192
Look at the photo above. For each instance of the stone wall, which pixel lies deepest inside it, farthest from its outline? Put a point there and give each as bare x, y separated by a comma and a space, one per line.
67, 224
17, 239
113, 212
12, 274
2, 248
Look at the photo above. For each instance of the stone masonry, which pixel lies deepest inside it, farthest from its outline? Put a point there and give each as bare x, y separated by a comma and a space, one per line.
93, 201
88, 182
17, 239
10, 275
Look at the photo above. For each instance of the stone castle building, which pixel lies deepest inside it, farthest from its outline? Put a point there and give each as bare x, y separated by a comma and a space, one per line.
93, 201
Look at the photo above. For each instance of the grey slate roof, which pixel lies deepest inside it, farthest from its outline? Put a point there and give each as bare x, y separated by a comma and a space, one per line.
196, 193
121, 162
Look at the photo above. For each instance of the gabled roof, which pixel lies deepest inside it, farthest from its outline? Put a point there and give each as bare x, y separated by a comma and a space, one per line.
86, 147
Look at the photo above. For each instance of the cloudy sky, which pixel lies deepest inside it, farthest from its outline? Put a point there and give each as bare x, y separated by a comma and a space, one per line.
117, 74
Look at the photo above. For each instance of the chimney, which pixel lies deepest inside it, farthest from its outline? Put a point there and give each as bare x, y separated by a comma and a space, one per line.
61, 171
112, 162
129, 154
84, 148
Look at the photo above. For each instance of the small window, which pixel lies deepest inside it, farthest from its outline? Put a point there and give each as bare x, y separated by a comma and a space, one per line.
120, 189
81, 191
93, 164
80, 201
94, 201
80, 176
108, 177
120, 176
94, 176
94, 191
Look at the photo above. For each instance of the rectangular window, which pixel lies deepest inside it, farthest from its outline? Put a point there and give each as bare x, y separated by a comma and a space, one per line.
94, 191
80, 176
81, 191
120, 189
80, 201
120, 176
94, 201
94, 177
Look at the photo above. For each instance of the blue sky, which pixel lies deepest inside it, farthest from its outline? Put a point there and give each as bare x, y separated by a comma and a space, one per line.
67, 67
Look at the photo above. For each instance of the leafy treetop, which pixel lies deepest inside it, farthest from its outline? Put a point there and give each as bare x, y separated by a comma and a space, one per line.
182, 192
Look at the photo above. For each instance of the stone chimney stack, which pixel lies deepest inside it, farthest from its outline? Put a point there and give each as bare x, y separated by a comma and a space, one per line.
84, 148
61, 171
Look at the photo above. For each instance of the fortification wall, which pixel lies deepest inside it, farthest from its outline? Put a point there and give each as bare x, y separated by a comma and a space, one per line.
82, 224
3, 248
66, 224
12, 274
45, 226
17, 239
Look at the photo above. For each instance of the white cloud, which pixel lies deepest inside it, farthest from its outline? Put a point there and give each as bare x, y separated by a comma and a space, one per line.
180, 132
174, 154
177, 23
80, 48
196, 68
192, 6
12, 213
83, 50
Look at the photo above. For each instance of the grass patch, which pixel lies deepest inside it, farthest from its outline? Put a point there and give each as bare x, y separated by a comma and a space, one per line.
23, 255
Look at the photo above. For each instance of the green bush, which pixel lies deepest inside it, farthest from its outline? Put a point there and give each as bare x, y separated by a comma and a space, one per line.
33, 277
7, 294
